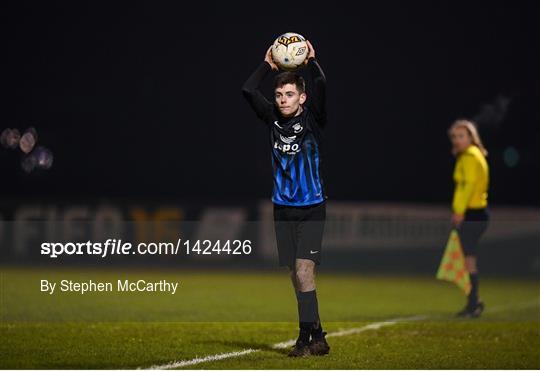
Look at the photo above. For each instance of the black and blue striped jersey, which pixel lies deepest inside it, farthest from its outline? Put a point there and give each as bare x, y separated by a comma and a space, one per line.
295, 141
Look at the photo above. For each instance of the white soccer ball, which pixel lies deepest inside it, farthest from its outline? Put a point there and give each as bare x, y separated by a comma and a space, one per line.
289, 51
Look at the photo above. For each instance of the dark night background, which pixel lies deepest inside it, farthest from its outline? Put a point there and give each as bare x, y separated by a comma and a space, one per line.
144, 101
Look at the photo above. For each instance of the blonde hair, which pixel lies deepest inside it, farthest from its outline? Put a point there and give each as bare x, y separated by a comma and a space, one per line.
473, 132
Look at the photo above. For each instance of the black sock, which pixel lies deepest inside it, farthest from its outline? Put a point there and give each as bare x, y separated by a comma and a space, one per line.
473, 295
305, 331
308, 315
317, 331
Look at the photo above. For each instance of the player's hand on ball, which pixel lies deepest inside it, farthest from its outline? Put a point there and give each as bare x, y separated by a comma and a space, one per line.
311, 52
268, 59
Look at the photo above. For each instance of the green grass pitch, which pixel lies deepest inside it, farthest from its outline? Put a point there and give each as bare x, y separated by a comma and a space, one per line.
221, 312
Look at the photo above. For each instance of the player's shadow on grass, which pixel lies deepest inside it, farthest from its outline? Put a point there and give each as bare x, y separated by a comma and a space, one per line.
248, 345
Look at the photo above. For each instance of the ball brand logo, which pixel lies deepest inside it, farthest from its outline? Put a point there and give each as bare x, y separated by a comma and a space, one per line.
301, 50
284, 40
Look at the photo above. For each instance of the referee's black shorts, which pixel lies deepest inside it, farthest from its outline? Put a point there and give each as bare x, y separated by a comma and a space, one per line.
299, 232
471, 230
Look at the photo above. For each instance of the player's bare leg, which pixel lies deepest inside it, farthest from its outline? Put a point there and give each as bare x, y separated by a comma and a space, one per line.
305, 275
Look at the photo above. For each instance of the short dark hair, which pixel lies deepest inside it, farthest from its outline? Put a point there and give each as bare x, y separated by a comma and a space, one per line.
285, 78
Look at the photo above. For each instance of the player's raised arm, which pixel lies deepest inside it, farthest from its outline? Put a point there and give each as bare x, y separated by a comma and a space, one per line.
315, 68
317, 101
251, 92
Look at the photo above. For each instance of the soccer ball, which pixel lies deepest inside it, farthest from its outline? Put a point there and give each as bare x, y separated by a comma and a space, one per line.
289, 51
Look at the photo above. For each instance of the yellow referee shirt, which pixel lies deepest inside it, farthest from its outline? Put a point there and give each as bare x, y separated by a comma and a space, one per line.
471, 175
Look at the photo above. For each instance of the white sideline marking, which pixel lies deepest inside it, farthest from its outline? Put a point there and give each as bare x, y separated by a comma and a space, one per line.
195, 361
357, 330
282, 345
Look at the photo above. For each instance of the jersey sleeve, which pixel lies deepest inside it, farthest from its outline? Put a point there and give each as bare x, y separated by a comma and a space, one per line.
317, 101
262, 107
464, 191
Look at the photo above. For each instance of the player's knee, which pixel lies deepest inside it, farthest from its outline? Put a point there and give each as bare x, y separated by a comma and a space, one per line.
304, 274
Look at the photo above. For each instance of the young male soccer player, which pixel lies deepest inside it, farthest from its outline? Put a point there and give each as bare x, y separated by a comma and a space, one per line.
295, 120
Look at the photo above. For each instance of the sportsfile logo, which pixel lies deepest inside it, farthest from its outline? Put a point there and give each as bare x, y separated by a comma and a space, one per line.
284, 40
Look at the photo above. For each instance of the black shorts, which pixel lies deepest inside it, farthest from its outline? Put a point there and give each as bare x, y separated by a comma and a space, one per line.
471, 230
299, 232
